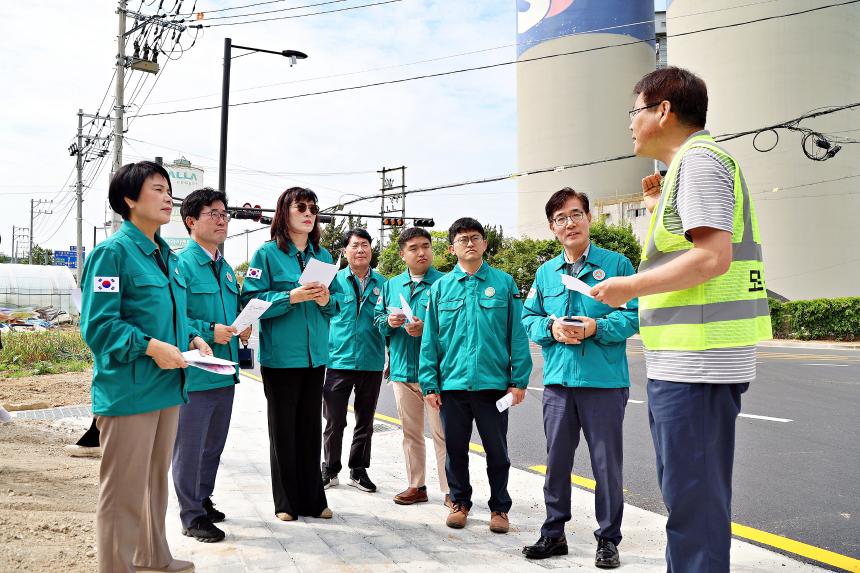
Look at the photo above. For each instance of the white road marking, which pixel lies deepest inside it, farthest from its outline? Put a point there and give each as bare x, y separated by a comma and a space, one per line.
768, 418
535, 388
823, 364
632, 401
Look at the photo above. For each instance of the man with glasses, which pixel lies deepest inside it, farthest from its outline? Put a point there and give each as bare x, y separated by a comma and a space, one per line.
213, 304
585, 376
356, 360
703, 308
474, 352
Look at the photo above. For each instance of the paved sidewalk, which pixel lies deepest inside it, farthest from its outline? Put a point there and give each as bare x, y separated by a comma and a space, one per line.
370, 533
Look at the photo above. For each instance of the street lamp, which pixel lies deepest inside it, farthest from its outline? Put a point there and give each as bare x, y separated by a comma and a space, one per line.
293, 55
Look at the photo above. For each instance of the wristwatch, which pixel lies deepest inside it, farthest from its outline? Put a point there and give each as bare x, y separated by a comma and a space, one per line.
212, 326
549, 326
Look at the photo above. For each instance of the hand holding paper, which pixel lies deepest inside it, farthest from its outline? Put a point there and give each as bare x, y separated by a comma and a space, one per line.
574, 284
209, 363
407, 310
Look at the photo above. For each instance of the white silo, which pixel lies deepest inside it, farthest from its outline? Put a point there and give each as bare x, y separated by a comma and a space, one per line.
764, 73
573, 108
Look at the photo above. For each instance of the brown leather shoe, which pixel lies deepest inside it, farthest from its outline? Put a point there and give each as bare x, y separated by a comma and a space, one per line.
457, 518
448, 503
411, 495
499, 522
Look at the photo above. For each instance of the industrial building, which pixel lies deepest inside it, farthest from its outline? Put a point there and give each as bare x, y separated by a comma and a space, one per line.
763, 64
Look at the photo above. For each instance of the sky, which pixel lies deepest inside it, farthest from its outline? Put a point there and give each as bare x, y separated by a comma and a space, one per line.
444, 130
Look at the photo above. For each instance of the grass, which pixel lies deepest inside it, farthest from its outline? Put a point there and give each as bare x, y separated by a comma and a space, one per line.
45, 352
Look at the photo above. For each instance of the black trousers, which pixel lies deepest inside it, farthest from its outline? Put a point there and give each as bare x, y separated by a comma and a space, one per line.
294, 397
339, 384
459, 409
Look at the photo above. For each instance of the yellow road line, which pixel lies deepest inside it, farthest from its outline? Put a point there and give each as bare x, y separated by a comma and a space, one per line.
574, 479
797, 548
743, 531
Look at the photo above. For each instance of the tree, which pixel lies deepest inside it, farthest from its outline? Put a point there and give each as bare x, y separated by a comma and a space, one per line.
521, 258
4, 258
619, 238
240, 271
41, 256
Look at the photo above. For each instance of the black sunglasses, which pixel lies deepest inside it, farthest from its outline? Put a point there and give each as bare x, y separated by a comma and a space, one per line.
302, 207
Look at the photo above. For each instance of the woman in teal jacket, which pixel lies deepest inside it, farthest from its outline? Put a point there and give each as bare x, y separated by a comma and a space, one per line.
134, 320
293, 352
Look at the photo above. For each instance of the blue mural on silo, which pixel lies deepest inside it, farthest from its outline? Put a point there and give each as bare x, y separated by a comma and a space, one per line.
541, 20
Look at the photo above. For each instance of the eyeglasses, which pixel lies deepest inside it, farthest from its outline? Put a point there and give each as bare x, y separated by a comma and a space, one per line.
302, 207
474, 239
562, 220
632, 113
217, 216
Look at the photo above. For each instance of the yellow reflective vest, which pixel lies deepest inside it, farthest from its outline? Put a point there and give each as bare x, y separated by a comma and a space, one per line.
726, 311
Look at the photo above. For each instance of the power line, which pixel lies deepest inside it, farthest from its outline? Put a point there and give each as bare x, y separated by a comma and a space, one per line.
491, 66
291, 8
260, 4
295, 16
403, 65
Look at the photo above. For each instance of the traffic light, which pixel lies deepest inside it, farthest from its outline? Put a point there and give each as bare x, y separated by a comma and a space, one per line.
392, 221
424, 223
247, 212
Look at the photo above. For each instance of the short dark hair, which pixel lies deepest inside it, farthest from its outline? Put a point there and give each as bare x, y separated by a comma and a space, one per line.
194, 202
357, 232
463, 225
280, 231
413, 233
686, 91
128, 181
562, 196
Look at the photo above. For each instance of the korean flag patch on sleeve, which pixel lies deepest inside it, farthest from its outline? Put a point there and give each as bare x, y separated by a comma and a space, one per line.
253, 273
106, 284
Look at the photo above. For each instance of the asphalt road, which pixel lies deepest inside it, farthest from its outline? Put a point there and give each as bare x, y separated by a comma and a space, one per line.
797, 460
798, 479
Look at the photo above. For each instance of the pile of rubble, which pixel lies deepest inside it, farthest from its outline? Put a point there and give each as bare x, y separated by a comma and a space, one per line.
32, 319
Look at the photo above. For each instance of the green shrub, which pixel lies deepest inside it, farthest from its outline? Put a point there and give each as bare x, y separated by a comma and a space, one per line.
818, 319
44, 352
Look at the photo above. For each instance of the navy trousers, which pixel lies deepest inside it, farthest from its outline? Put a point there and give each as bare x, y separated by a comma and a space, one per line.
599, 413
693, 428
200, 438
459, 409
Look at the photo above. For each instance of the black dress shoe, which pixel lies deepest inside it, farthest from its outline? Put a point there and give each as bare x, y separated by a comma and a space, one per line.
607, 555
546, 547
213, 514
203, 530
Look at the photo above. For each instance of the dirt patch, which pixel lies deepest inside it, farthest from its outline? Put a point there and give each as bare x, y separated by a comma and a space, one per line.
51, 390
47, 501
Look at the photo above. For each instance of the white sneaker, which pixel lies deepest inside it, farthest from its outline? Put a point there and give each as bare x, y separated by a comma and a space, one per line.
77, 451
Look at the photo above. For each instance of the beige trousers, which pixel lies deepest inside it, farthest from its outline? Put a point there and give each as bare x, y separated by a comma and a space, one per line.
411, 408
136, 454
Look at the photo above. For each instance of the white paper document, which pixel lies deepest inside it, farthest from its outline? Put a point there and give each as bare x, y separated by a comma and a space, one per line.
574, 284
209, 363
317, 271
250, 314
504, 402
407, 310
75, 293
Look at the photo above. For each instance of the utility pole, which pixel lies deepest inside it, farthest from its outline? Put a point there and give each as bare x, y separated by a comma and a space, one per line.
119, 107
21, 236
14, 253
80, 196
392, 201
33, 204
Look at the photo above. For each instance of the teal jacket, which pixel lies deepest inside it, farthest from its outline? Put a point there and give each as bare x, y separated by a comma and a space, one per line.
473, 334
600, 361
354, 342
210, 300
291, 335
404, 349
126, 299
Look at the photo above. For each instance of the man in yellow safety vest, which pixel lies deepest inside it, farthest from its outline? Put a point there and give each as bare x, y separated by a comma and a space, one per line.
702, 309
